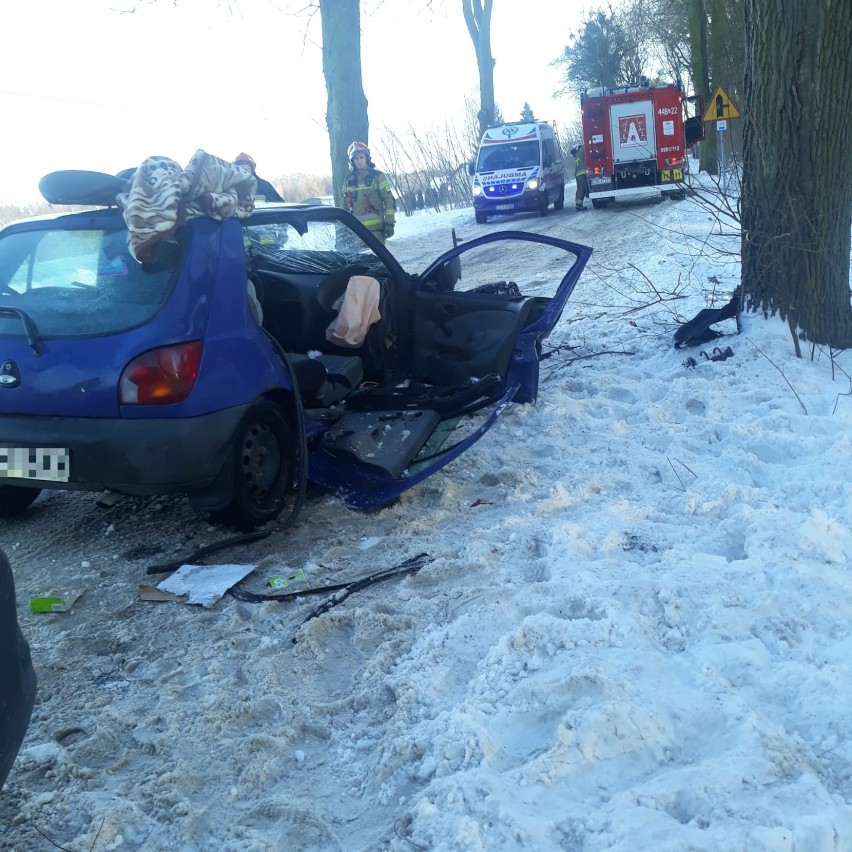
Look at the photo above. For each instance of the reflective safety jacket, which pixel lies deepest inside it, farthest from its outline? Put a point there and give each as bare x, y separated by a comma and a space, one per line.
368, 196
580, 163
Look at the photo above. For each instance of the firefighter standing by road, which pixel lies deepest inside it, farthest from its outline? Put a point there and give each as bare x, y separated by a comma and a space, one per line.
367, 193
580, 174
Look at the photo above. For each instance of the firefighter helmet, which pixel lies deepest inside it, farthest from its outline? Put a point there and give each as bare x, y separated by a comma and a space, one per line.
245, 159
358, 148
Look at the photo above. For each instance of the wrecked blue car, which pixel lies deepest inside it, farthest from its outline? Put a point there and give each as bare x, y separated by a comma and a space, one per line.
219, 362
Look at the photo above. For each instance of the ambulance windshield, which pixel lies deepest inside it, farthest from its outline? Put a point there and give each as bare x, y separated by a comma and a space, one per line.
508, 155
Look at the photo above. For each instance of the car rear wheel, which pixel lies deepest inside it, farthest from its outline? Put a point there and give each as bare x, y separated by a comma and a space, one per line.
15, 501
560, 202
264, 464
542, 210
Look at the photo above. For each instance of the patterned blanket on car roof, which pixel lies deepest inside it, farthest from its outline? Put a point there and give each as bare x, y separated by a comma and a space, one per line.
162, 196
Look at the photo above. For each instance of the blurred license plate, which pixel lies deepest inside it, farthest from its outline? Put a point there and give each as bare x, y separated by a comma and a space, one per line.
46, 463
504, 207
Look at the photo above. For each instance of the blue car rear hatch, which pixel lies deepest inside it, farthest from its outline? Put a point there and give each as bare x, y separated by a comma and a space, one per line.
71, 297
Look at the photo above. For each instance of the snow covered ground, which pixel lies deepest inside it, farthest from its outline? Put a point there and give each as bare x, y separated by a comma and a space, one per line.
635, 631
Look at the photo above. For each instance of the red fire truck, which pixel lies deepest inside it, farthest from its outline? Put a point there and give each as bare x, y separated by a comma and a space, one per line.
635, 139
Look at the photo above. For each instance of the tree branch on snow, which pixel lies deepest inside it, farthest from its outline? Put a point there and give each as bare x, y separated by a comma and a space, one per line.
682, 486
780, 371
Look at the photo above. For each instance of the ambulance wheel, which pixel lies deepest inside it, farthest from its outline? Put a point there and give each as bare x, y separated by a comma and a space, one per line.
542, 210
560, 202
600, 203
481, 218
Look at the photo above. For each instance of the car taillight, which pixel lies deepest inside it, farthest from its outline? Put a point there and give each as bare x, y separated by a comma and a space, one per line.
161, 376
597, 170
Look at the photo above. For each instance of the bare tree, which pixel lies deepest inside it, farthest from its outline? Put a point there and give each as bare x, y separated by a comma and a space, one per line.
797, 172
428, 169
601, 53
661, 32
472, 133
699, 41
341, 66
477, 16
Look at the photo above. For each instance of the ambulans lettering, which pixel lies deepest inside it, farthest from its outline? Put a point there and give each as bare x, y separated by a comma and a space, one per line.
503, 177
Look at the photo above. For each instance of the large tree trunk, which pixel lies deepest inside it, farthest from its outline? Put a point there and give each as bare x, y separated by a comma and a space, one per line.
341, 67
797, 182
477, 16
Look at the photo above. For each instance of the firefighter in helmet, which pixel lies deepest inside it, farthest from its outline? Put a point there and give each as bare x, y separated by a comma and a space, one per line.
367, 193
580, 174
265, 190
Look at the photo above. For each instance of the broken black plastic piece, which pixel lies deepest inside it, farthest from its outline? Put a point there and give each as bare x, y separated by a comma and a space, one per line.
202, 552
698, 331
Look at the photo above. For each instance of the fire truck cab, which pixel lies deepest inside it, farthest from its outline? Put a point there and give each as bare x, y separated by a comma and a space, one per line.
635, 140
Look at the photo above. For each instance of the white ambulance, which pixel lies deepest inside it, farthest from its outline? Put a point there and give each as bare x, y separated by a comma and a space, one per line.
518, 168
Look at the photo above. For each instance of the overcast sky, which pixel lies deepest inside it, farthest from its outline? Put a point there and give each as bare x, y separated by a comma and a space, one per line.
94, 84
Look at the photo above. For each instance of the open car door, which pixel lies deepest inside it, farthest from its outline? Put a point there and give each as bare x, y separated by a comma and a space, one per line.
469, 353
492, 326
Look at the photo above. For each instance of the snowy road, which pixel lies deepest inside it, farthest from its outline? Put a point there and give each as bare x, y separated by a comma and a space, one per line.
633, 610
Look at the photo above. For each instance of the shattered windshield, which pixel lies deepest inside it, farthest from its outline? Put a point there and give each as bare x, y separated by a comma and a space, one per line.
322, 248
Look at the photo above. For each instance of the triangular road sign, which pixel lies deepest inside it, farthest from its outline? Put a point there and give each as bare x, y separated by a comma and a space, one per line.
721, 107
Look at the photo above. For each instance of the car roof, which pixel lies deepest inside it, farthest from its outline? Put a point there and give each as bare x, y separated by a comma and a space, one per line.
77, 187
95, 193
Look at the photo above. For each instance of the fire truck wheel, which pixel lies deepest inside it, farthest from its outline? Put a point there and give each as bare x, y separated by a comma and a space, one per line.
600, 203
542, 210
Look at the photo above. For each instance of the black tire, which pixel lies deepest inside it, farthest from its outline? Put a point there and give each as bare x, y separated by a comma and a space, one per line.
600, 203
264, 461
560, 202
542, 209
481, 218
16, 501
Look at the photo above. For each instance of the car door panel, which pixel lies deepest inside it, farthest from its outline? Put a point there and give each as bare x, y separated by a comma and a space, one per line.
368, 487
462, 336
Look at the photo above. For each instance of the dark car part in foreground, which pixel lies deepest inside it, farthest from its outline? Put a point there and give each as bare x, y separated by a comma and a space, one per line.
17, 677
